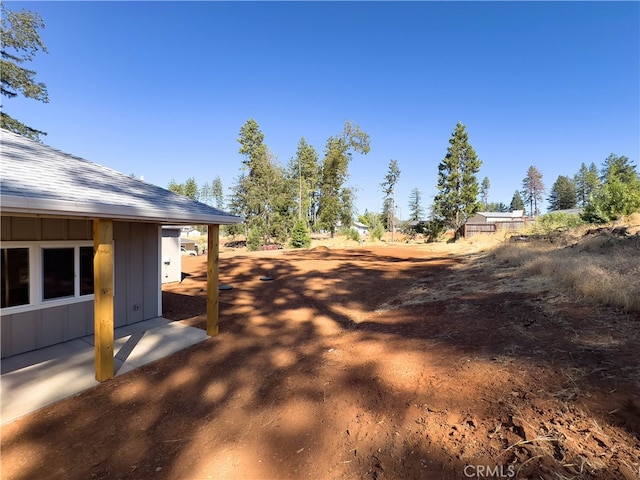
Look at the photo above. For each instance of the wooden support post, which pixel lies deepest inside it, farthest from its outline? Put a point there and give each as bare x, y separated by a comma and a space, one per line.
103, 298
213, 247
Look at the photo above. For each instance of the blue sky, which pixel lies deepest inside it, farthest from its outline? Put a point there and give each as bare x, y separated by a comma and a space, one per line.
161, 89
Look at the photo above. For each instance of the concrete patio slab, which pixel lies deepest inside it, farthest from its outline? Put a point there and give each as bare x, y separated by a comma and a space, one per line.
32, 380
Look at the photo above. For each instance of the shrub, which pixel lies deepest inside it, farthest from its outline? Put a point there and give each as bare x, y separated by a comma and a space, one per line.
434, 230
352, 234
253, 240
233, 230
412, 231
377, 232
300, 236
614, 199
554, 221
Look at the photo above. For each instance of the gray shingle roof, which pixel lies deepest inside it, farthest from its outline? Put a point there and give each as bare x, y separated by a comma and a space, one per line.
513, 214
38, 179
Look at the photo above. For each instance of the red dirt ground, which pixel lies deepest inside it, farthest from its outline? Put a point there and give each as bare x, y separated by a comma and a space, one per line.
400, 362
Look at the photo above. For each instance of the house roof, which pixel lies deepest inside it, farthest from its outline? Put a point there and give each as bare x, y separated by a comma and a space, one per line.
569, 211
36, 179
360, 225
513, 214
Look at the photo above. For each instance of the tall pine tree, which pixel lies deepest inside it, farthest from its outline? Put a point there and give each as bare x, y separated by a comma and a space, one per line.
457, 197
619, 167
187, 189
533, 189
416, 210
334, 173
563, 194
586, 181
217, 193
262, 193
484, 192
389, 189
304, 171
516, 202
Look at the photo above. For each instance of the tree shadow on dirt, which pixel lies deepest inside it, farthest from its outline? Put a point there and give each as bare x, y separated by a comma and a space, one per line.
332, 371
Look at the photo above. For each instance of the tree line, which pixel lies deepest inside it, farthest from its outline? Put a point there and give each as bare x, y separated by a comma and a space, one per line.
604, 194
310, 193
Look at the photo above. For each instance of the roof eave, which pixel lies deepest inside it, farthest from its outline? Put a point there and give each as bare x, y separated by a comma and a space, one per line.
62, 208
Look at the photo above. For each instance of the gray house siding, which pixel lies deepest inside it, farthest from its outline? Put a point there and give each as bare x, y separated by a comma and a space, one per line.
26, 331
136, 258
38, 229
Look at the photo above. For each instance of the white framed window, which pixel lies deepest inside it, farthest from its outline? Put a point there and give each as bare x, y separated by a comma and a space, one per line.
58, 272
15, 276
38, 274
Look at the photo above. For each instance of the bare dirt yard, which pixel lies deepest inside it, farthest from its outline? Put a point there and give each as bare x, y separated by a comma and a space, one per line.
367, 362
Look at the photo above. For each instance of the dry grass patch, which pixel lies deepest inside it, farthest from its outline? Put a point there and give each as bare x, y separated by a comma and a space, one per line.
600, 267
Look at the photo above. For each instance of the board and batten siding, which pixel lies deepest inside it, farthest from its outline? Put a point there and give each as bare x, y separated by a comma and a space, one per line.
44, 229
137, 274
137, 282
26, 331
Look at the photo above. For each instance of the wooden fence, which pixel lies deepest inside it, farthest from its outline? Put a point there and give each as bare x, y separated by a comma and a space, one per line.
471, 229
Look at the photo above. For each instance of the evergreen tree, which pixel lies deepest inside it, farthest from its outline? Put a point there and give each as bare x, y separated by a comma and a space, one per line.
247, 197
612, 200
187, 189
262, 195
370, 219
20, 41
499, 207
457, 195
619, 193
237, 204
217, 193
304, 171
586, 181
484, 193
416, 211
191, 189
516, 202
377, 231
563, 194
620, 167
254, 239
205, 195
300, 237
533, 190
386, 214
175, 187
211, 193
389, 189
347, 198
335, 171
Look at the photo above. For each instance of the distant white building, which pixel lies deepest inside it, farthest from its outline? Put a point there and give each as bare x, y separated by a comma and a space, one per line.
190, 232
361, 228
